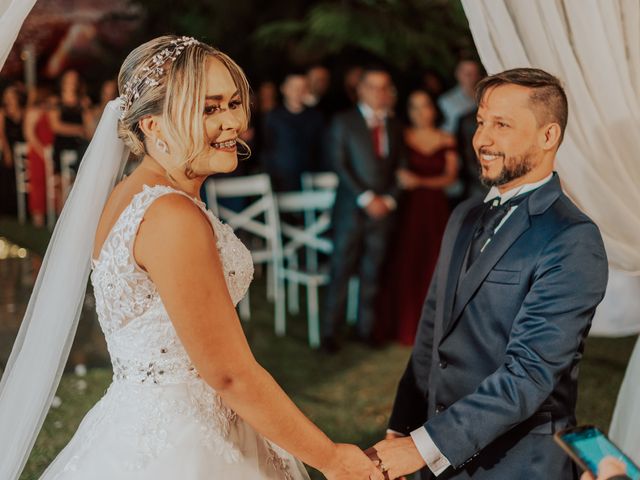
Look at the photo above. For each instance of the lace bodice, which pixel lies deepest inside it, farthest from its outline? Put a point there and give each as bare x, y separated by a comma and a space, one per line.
142, 342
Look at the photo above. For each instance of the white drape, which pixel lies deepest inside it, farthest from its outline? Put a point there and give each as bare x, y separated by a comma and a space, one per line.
594, 47
12, 15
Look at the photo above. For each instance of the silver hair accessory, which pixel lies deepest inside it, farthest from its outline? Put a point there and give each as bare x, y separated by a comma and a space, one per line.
150, 75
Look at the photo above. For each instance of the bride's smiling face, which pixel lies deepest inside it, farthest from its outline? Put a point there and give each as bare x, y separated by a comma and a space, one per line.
224, 120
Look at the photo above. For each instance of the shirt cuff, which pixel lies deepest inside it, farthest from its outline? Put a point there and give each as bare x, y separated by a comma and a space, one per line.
365, 198
394, 432
390, 201
429, 452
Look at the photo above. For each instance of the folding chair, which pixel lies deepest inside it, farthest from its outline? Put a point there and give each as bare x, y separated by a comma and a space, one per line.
20, 150
319, 181
329, 181
311, 236
260, 220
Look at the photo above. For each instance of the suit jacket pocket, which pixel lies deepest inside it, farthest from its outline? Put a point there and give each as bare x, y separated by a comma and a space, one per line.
508, 277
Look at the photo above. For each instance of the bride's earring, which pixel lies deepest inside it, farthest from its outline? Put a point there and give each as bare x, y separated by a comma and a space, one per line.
162, 145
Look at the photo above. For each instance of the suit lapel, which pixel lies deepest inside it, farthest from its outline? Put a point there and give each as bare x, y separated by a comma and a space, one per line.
514, 226
463, 239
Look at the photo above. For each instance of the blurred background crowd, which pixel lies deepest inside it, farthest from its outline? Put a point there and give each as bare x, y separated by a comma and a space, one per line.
63, 70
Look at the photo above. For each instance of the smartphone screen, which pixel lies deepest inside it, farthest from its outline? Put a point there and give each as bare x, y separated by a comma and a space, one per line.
591, 445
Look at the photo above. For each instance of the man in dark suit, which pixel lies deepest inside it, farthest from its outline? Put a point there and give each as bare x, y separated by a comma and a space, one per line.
293, 134
494, 369
366, 150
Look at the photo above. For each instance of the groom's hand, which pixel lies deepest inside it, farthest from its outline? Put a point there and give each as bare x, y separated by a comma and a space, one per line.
397, 456
350, 463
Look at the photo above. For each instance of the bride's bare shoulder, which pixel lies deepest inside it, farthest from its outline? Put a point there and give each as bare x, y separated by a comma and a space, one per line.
173, 223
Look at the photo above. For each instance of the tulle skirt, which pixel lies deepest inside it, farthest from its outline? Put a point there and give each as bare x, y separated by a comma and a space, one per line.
169, 432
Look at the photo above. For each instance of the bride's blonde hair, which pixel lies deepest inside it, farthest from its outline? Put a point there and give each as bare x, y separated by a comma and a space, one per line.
178, 95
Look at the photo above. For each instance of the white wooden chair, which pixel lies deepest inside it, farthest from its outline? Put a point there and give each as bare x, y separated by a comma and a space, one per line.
68, 159
319, 181
20, 150
260, 220
329, 181
299, 239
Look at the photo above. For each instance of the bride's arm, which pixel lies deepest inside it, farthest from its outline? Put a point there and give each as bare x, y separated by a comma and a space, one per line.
176, 245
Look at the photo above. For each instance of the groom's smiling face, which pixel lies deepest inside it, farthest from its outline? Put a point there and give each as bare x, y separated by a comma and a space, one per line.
507, 138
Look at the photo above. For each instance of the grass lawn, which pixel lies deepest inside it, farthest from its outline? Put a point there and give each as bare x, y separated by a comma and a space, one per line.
348, 395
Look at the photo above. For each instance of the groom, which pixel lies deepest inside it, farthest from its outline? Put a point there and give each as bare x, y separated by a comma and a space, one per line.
494, 369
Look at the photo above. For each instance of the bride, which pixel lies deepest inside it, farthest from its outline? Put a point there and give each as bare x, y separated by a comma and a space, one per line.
188, 399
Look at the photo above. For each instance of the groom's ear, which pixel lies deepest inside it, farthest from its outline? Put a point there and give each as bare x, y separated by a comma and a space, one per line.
550, 136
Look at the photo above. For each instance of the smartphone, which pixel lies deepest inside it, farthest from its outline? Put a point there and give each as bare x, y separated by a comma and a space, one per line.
587, 446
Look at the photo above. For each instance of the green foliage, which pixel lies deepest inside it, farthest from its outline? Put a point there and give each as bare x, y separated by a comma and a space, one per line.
268, 37
404, 33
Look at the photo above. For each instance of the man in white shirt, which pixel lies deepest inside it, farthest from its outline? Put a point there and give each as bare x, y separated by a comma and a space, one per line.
460, 100
494, 369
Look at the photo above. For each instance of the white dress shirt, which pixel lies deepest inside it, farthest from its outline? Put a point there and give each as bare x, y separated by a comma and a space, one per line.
429, 451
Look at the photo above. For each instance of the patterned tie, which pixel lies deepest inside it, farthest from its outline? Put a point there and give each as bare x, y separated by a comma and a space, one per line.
491, 217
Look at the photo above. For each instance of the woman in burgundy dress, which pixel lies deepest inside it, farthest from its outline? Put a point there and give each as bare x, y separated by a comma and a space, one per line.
422, 215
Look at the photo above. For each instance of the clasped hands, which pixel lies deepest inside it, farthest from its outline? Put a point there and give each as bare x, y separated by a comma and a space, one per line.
396, 456
389, 459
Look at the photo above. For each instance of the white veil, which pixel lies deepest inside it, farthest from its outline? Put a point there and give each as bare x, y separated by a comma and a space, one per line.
40, 351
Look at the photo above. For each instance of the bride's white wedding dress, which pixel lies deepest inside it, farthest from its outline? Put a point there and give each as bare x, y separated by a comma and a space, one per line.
158, 419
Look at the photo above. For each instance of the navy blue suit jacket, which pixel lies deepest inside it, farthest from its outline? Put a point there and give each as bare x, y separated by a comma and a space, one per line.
494, 368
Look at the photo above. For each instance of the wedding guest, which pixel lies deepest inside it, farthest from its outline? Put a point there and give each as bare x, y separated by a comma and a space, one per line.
71, 121
432, 83
366, 149
319, 81
108, 91
422, 218
39, 136
267, 97
460, 99
11, 119
456, 103
347, 97
292, 136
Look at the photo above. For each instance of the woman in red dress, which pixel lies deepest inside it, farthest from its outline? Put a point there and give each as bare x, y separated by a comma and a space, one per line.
422, 215
39, 136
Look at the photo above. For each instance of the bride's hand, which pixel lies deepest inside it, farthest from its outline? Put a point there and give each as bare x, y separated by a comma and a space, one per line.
350, 463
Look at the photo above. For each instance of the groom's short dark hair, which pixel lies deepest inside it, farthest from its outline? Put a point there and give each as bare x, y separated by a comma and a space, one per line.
547, 93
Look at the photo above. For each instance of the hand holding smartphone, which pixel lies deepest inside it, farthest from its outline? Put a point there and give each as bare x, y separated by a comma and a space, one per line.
587, 446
